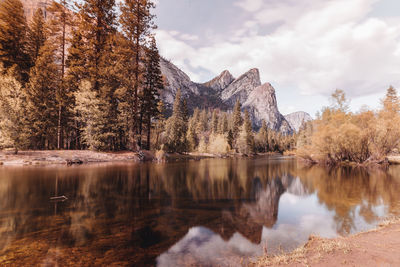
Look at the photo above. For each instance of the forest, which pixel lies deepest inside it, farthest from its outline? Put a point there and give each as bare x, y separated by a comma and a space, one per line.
339, 135
88, 77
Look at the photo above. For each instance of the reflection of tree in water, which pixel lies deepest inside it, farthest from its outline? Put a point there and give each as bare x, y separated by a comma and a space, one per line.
352, 191
132, 213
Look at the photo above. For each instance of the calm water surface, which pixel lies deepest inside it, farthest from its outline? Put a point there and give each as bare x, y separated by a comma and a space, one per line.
205, 213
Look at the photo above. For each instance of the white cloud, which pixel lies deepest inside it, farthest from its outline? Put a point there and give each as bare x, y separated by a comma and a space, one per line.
250, 5
318, 46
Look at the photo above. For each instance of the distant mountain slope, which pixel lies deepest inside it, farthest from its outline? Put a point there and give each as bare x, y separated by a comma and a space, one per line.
296, 119
223, 91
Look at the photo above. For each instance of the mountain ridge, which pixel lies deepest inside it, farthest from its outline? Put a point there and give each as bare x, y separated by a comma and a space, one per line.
223, 91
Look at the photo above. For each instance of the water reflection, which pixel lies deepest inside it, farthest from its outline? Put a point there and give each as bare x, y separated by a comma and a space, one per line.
207, 212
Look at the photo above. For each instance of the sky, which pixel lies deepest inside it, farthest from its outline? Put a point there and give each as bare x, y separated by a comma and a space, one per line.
305, 48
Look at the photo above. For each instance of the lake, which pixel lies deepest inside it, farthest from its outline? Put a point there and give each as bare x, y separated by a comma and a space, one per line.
209, 212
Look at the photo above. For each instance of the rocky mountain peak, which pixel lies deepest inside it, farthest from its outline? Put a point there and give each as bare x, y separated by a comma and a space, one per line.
221, 81
296, 119
241, 87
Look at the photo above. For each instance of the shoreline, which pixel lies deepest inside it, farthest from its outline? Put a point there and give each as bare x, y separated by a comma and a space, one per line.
80, 157
375, 247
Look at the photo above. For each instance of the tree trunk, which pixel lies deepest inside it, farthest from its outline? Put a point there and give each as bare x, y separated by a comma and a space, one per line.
140, 130
148, 131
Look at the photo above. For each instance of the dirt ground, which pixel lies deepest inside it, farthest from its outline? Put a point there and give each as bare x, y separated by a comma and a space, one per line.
378, 247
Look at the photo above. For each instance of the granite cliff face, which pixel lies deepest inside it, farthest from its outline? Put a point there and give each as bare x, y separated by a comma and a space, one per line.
241, 87
296, 119
262, 105
223, 91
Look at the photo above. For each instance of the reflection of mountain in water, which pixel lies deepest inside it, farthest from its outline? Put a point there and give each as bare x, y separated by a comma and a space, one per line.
133, 213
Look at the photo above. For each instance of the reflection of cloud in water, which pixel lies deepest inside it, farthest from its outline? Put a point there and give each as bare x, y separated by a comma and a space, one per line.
202, 246
290, 236
299, 216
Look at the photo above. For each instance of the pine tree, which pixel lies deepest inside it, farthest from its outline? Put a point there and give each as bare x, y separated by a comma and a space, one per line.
13, 28
59, 24
176, 127
391, 101
13, 121
97, 24
262, 138
136, 22
36, 35
192, 135
237, 120
214, 122
76, 63
247, 132
231, 139
160, 122
42, 90
202, 125
153, 85
223, 124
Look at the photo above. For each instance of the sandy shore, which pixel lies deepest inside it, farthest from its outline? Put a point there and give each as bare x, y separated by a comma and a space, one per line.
378, 247
47, 157
53, 157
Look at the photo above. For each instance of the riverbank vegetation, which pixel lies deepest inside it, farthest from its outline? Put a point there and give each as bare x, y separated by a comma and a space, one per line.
217, 132
339, 135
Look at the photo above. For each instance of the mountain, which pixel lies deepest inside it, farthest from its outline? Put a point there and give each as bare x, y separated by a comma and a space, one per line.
296, 119
262, 105
241, 87
223, 91
30, 7
197, 95
220, 82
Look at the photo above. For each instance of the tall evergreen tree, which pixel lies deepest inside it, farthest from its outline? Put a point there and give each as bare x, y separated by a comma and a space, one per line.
152, 87
76, 63
98, 22
237, 120
214, 121
13, 28
223, 124
176, 127
262, 138
136, 22
248, 129
160, 122
59, 24
42, 90
36, 35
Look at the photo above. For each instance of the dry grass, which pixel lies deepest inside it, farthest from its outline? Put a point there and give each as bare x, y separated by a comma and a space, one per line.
310, 252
